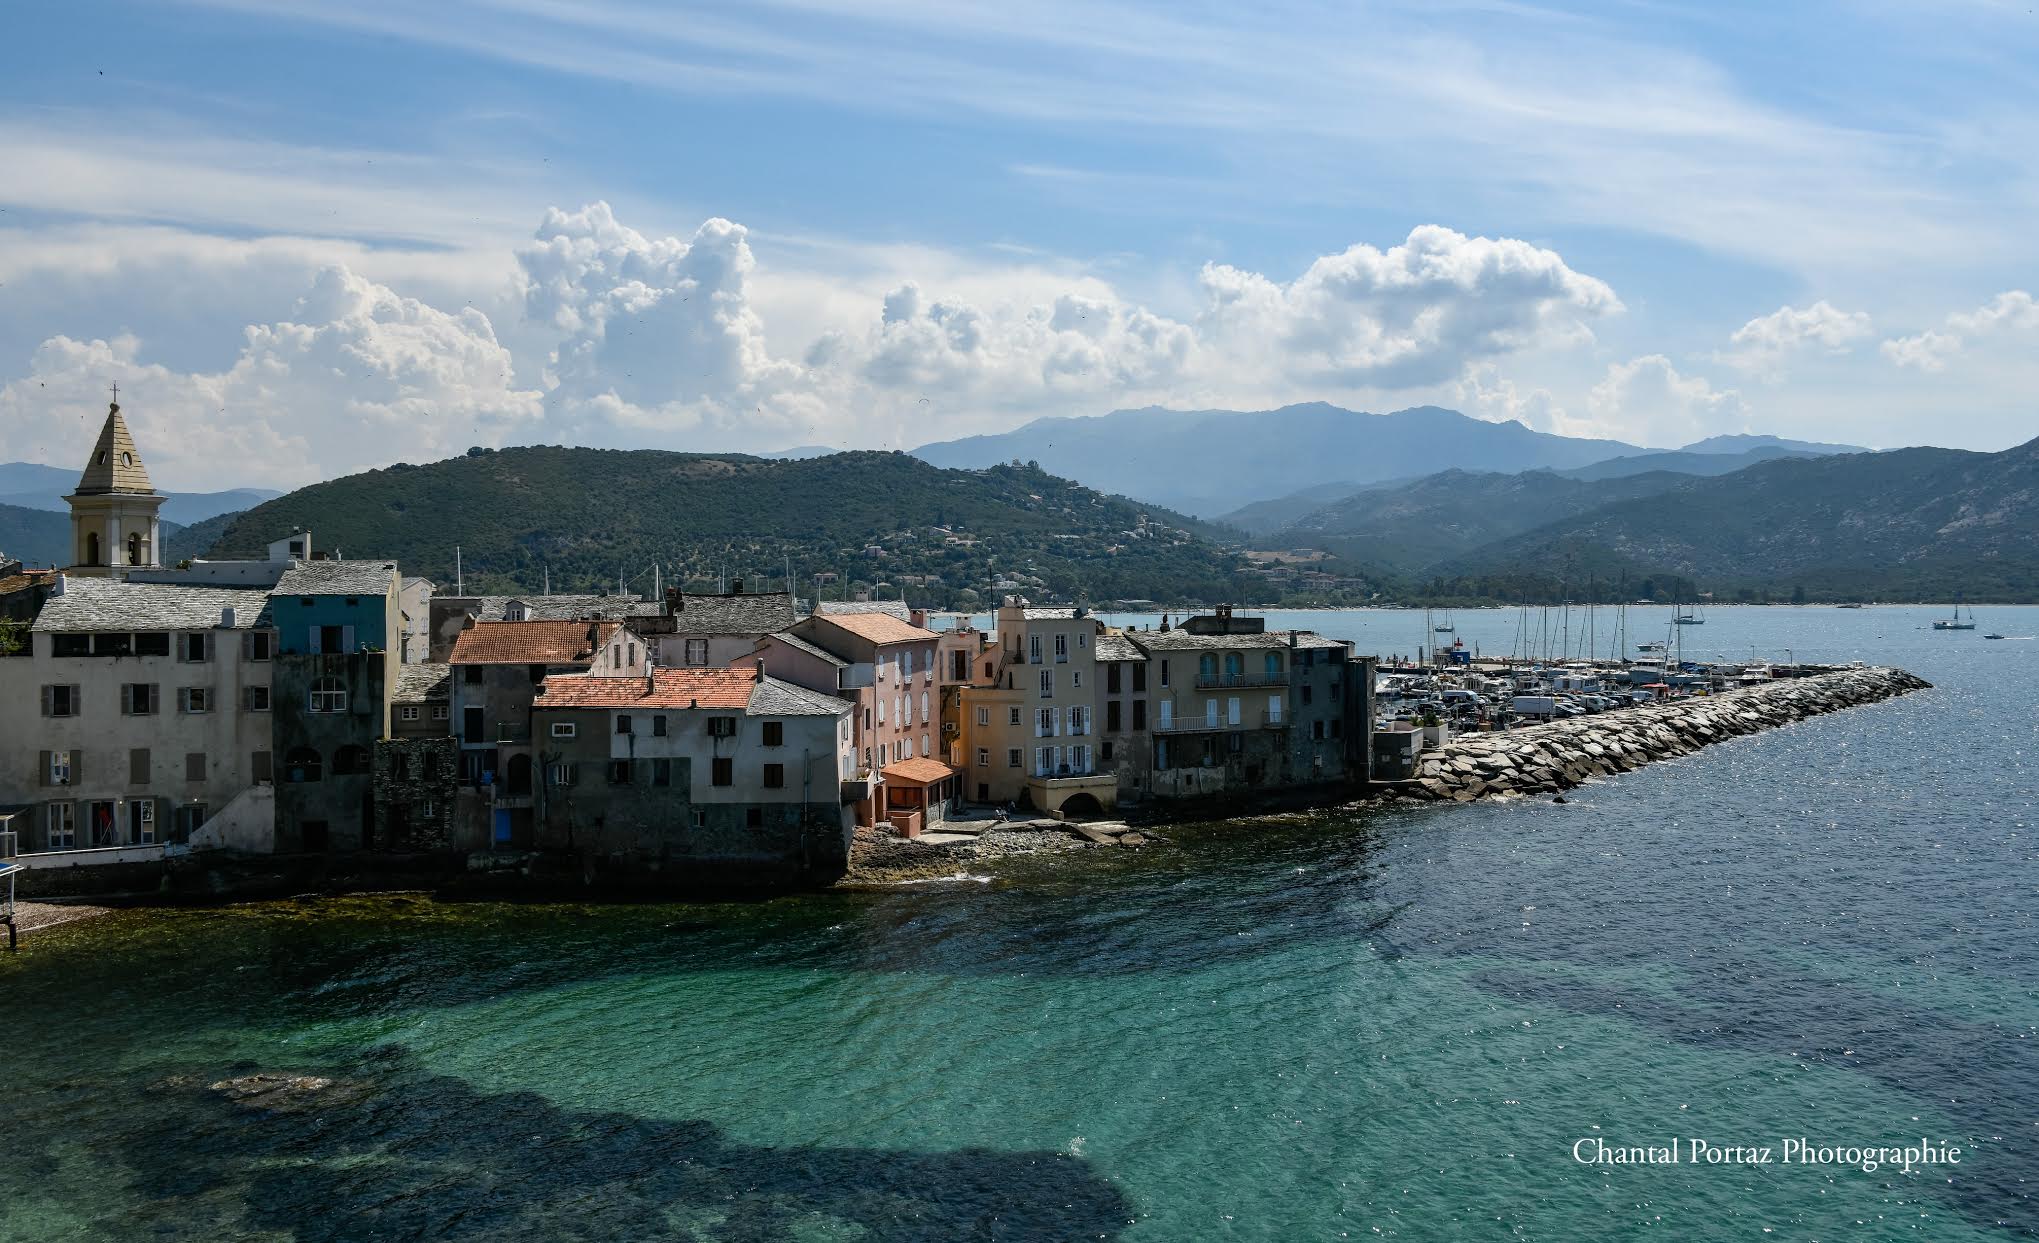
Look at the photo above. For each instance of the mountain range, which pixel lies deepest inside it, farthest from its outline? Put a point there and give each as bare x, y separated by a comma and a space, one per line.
1212, 462
31, 485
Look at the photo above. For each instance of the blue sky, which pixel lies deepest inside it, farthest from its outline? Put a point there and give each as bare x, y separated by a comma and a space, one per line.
310, 238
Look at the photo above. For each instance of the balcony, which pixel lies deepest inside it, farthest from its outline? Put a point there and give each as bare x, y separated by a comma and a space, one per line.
1221, 681
1194, 725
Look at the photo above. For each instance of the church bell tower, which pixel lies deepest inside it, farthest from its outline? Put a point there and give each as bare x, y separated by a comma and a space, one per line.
113, 510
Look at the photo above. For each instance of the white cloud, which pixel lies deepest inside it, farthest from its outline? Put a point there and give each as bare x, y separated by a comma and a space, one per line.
1485, 395
1648, 401
1929, 351
1414, 314
357, 376
1762, 344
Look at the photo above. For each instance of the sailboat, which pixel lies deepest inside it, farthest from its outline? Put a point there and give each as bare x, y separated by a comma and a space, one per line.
1684, 616
1956, 623
1445, 626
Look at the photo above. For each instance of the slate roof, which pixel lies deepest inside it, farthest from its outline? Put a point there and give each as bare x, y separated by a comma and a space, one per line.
108, 604
893, 608
1048, 614
1112, 647
758, 613
423, 683
920, 770
794, 641
530, 642
878, 627
686, 689
1184, 641
115, 465
337, 578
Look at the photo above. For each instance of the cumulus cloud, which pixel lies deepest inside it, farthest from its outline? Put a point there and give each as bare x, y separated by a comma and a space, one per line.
1485, 395
2011, 310
357, 376
1414, 314
1762, 344
1646, 399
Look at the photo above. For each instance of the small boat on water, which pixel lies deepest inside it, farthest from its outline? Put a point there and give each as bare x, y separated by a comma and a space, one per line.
1992, 636
1847, 606
1686, 617
1649, 647
1956, 623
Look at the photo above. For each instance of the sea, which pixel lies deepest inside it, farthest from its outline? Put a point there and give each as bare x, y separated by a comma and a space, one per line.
1460, 1022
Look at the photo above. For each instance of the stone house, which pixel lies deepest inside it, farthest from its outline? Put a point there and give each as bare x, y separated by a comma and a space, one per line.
714, 774
137, 712
708, 631
889, 673
497, 669
1125, 747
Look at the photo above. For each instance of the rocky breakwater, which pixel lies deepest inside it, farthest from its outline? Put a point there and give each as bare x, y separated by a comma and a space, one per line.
1548, 759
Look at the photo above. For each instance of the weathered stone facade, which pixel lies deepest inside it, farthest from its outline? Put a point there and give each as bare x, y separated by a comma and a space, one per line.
417, 785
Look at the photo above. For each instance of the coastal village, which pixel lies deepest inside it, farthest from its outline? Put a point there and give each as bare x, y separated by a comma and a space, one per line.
309, 706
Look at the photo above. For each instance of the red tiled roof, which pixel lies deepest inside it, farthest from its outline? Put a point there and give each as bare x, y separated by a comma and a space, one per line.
876, 627
920, 771
668, 688
530, 643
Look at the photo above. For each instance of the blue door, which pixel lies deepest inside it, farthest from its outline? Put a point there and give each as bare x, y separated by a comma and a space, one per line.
502, 828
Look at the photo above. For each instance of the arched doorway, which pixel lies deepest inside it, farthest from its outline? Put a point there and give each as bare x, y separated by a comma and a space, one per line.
92, 548
518, 784
1081, 806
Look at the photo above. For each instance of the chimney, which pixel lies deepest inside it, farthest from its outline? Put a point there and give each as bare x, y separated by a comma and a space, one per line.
226, 618
650, 679
58, 584
760, 675
674, 601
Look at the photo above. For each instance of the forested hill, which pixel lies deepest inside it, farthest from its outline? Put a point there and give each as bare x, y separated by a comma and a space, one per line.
590, 515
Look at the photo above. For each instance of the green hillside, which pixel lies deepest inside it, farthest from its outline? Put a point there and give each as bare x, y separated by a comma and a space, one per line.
587, 516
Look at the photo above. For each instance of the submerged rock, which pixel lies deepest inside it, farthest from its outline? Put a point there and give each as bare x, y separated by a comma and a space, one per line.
287, 1093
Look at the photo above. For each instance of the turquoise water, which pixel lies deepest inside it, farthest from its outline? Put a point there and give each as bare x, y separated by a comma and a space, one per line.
1333, 1026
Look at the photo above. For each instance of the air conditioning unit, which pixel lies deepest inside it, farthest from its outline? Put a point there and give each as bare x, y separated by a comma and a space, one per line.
950, 729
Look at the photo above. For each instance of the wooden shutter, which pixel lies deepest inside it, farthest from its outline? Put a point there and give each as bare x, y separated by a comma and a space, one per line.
264, 766
312, 645
42, 767
138, 766
48, 693
194, 766
77, 700
77, 768
346, 638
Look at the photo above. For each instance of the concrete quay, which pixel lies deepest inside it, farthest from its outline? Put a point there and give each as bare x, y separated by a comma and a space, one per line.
1552, 758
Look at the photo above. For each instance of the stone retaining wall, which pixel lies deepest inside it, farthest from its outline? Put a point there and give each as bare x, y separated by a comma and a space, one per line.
1546, 759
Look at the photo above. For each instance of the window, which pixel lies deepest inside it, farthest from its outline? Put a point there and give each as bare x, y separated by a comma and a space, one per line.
194, 699
567, 774
1104, 752
1047, 683
564, 729
327, 695
1164, 675
924, 748
1111, 717
1139, 676
352, 761
153, 643
1079, 759
61, 768
633, 653
1033, 649
1235, 667
661, 773
881, 712
1307, 692
1044, 761
1274, 709
408, 712
1139, 715
619, 772
1076, 679
70, 645
60, 826
1061, 649
906, 663
923, 708
658, 726
191, 648
753, 817
112, 644
622, 722
725, 726
697, 651
775, 733
441, 712
984, 757
138, 698
1112, 678
775, 776
1317, 729
1044, 723
1232, 710
1079, 720
302, 765
722, 771
1012, 716
700, 819
471, 674
1012, 758
1207, 667
61, 700
1273, 665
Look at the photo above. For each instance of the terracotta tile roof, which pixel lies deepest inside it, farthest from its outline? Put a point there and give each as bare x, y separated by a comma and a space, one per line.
876, 627
531, 642
667, 688
921, 771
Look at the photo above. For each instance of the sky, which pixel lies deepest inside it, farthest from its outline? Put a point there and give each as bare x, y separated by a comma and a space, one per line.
307, 239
